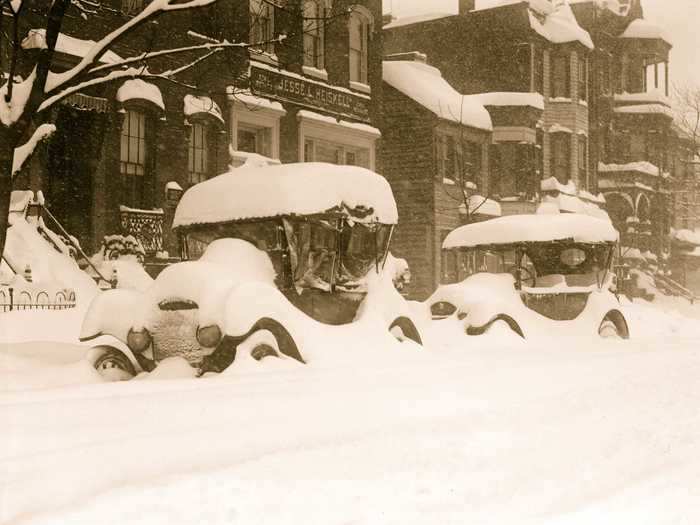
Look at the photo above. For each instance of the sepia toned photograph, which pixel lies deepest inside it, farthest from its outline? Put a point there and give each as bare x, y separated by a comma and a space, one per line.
349, 262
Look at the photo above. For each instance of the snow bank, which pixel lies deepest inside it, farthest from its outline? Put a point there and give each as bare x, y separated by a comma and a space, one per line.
425, 85
288, 189
531, 228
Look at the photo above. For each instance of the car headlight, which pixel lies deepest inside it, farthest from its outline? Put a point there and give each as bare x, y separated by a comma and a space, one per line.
138, 341
209, 336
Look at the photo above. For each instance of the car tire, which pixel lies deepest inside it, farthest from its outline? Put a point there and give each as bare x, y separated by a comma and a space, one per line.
407, 328
113, 364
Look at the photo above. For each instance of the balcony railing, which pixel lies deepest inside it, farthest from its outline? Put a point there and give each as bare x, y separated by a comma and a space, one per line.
145, 225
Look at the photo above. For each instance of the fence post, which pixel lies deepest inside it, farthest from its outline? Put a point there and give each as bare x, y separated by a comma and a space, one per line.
11, 290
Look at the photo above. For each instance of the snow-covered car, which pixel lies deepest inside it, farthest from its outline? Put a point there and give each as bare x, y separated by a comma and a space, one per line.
539, 274
264, 249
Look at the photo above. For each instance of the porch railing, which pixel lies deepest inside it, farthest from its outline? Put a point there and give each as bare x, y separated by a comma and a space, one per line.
145, 225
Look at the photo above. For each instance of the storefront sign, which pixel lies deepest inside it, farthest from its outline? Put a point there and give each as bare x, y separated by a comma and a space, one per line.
278, 86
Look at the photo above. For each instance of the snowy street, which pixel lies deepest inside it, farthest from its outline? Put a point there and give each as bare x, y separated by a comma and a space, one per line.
484, 429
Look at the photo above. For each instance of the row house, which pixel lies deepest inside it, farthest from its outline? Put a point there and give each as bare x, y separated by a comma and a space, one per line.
529, 60
306, 90
637, 150
435, 151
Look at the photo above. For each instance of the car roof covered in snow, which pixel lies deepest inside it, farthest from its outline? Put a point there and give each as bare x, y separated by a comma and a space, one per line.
300, 189
520, 229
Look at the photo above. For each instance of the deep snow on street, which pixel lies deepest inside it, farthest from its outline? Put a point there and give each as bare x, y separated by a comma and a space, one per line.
486, 429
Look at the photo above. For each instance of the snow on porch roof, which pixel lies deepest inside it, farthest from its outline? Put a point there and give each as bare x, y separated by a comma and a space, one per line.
36, 39
513, 229
425, 85
640, 28
304, 188
137, 89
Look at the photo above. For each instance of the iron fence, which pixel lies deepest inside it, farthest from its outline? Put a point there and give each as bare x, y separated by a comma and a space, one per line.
11, 299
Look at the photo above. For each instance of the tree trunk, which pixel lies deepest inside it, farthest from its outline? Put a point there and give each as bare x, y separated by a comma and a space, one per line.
6, 154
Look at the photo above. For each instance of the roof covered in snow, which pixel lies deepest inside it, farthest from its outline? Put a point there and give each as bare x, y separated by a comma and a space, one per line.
560, 27
641, 166
416, 19
425, 85
640, 28
515, 229
254, 191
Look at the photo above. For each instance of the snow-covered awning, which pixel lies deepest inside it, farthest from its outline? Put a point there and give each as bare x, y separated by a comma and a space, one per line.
425, 85
137, 89
355, 126
515, 229
646, 109
288, 189
36, 39
202, 106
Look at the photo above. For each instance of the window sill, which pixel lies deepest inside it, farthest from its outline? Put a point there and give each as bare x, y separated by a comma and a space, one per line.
560, 99
263, 56
360, 86
583, 102
310, 71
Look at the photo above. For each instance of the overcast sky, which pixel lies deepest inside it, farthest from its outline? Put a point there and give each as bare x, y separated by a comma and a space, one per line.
679, 18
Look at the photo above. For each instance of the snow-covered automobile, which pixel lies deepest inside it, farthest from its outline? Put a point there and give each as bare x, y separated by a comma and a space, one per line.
264, 249
539, 274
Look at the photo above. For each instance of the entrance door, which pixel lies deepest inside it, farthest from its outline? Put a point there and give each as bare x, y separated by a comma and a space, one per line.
73, 156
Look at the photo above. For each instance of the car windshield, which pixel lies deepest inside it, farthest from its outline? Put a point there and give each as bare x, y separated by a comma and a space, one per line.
263, 234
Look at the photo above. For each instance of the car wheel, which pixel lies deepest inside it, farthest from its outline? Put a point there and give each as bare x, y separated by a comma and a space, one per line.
114, 365
614, 325
403, 328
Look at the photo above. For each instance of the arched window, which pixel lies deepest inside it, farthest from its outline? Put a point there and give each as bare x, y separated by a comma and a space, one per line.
359, 26
134, 158
199, 164
314, 28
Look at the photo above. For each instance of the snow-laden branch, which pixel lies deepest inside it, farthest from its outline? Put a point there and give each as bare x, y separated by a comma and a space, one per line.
56, 81
10, 112
25, 151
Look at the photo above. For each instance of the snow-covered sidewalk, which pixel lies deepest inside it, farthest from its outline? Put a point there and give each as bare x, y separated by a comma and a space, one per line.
485, 429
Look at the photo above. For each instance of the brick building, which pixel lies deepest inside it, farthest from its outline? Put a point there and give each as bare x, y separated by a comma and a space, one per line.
123, 151
639, 153
435, 145
529, 60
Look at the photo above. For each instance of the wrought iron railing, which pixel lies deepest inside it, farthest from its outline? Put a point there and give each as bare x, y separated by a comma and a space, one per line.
145, 225
14, 299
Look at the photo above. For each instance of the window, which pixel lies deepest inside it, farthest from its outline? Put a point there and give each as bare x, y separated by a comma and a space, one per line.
318, 150
313, 34
359, 24
198, 153
582, 158
133, 159
131, 7
254, 139
262, 25
457, 160
582, 77
538, 73
472, 161
559, 85
560, 145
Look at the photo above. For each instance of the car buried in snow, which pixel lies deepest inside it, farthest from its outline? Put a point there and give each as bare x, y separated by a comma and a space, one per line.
263, 249
538, 274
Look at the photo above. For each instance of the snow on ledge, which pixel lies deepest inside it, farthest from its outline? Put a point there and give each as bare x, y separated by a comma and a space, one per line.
425, 85
480, 205
194, 105
254, 103
288, 189
36, 39
644, 29
558, 128
532, 228
137, 89
642, 166
356, 126
408, 20
646, 109
511, 98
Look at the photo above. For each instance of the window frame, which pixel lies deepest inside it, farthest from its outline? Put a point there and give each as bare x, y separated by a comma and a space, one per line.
560, 88
556, 140
134, 187
314, 33
582, 145
263, 34
582, 80
195, 176
366, 22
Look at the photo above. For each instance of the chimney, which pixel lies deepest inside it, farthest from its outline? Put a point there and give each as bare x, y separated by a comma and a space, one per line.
409, 56
465, 6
